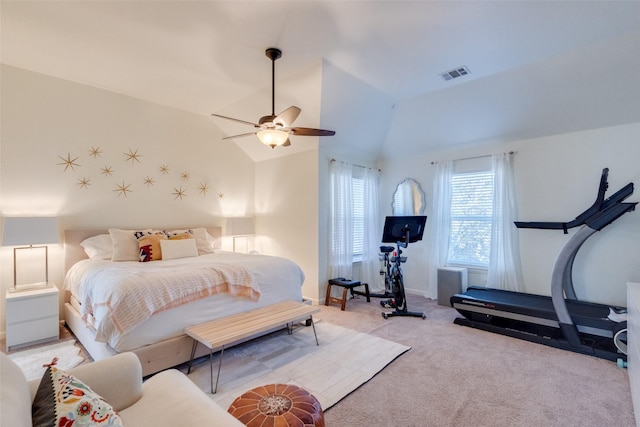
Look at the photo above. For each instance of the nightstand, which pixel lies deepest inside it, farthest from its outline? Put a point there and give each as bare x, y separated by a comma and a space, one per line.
32, 316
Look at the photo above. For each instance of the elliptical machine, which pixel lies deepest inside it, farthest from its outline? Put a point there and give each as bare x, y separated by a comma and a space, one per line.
400, 230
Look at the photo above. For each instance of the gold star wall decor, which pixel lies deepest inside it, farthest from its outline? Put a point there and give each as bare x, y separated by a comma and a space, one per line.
95, 152
107, 171
133, 156
123, 189
179, 193
204, 188
69, 162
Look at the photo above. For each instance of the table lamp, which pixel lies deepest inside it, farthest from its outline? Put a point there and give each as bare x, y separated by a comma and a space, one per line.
239, 227
24, 233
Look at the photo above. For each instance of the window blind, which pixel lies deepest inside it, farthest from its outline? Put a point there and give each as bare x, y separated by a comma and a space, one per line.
358, 217
471, 211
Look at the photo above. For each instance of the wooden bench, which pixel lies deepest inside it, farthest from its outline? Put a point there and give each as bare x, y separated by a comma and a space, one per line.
230, 330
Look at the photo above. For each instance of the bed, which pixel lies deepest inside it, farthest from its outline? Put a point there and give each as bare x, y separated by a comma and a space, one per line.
118, 306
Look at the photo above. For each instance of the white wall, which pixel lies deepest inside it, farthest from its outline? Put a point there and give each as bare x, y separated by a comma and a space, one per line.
44, 119
557, 178
287, 213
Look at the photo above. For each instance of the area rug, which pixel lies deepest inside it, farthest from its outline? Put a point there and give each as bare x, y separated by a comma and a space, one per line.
31, 361
344, 360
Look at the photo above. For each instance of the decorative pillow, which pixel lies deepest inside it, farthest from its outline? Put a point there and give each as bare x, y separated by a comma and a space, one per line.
180, 248
204, 241
98, 247
149, 247
125, 243
63, 400
180, 236
211, 244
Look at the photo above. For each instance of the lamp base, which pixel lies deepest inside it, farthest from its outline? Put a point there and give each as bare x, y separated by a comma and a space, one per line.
31, 287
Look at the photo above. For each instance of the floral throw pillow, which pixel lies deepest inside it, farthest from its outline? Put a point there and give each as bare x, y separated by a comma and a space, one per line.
62, 400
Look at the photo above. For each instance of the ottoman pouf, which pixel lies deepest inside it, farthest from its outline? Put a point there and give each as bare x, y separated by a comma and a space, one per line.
277, 405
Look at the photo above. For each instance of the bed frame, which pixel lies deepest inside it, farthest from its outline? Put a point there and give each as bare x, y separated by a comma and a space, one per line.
154, 357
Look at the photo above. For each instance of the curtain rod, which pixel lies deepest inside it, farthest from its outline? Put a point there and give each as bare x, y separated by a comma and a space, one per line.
511, 153
352, 164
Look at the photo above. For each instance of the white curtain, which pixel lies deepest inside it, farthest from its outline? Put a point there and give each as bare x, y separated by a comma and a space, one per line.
504, 263
372, 233
440, 223
341, 237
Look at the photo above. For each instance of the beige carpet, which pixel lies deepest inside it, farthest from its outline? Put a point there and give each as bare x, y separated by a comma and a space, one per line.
458, 376
344, 360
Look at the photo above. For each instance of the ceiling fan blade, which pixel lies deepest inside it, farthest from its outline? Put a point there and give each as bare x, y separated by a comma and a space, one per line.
287, 143
237, 120
312, 132
239, 135
287, 117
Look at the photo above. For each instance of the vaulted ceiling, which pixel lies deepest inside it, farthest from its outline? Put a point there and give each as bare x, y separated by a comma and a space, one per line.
370, 70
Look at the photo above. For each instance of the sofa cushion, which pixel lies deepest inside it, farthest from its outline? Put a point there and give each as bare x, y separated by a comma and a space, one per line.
64, 400
15, 397
118, 379
189, 406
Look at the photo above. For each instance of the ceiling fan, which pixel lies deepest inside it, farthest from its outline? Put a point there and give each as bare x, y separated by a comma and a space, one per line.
274, 130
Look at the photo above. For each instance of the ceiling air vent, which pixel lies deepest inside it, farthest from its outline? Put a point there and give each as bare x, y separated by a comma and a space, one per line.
455, 73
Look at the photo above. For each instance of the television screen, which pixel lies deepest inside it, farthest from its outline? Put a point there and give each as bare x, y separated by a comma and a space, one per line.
395, 228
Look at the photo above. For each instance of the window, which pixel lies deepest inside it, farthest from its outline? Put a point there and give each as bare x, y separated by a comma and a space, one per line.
357, 185
471, 212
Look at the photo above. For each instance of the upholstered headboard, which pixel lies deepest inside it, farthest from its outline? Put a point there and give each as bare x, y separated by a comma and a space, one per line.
73, 252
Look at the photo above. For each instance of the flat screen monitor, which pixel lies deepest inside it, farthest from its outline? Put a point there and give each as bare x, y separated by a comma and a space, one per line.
395, 228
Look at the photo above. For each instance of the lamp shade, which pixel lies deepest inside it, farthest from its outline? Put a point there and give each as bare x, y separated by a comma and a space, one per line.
239, 226
29, 231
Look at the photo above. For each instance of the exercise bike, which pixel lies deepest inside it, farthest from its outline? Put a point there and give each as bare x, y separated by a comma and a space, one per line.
385, 271
401, 230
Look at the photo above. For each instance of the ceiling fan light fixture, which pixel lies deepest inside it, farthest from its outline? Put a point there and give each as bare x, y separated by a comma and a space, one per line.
275, 129
273, 137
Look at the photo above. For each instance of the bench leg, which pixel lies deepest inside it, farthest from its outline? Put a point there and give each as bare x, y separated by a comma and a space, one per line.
193, 353
344, 298
328, 298
215, 390
314, 329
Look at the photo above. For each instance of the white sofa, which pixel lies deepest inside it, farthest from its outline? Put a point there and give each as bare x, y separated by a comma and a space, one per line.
168, 398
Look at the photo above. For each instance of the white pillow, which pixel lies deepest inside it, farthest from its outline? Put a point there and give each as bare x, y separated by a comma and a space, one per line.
203, 242
98, 247
211, 241
125, 243
183, 248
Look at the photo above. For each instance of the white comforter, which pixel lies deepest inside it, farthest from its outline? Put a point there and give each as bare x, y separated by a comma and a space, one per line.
248, 281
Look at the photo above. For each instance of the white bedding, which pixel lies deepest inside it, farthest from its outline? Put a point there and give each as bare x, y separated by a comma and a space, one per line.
276, 279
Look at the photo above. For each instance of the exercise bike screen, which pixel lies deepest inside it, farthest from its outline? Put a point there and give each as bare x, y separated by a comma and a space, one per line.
395, 227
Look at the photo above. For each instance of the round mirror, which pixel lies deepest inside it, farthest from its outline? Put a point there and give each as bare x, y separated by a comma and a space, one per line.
408, 199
